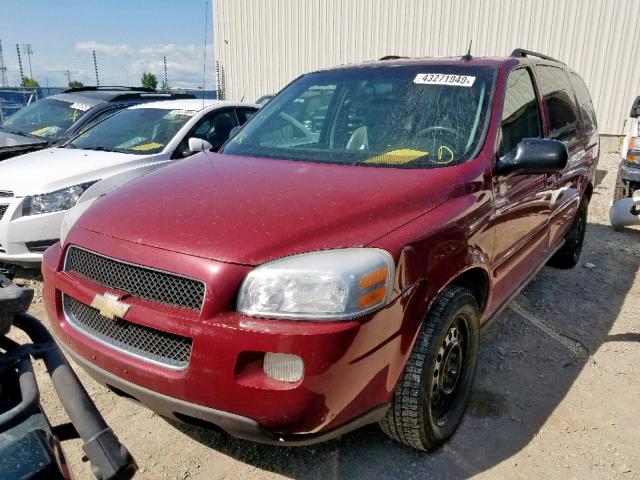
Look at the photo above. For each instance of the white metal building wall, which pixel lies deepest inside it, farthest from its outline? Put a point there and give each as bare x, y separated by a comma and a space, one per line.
264, 44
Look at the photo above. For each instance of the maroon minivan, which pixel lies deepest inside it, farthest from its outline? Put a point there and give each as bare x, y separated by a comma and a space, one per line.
333, 265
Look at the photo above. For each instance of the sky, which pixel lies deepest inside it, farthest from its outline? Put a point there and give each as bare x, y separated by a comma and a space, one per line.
129, 37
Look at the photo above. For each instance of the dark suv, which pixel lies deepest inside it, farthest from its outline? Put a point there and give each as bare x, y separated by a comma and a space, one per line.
333, 265
55, 119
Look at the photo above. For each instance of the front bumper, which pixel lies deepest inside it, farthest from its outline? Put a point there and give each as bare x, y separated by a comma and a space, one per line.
351, 368
234, 425
24, 238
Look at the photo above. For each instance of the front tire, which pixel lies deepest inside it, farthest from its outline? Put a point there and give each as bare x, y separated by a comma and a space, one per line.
432, 394
569, 254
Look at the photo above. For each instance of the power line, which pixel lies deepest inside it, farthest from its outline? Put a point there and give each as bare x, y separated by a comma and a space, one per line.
3, 69
20, 64
166, 81
95, 65
26, 48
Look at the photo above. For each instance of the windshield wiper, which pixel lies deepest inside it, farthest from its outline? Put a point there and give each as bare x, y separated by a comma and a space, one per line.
99, 149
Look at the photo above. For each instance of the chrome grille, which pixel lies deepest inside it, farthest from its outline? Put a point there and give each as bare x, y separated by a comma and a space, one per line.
155, 346
142, 282
3, 209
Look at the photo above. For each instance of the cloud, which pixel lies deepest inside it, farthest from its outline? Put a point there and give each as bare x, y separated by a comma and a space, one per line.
184, 62
112, 49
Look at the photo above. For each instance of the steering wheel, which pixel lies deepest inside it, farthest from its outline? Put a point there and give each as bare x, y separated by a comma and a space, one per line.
445, 140
297, 126
439, 130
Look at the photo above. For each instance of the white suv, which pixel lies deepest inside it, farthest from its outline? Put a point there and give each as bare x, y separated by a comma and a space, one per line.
38, 188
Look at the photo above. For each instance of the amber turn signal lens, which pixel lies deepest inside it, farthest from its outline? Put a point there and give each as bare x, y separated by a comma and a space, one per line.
633, 150
373, 297
373, 278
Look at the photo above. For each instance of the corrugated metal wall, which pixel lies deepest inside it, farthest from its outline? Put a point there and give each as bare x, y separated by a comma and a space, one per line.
263, 44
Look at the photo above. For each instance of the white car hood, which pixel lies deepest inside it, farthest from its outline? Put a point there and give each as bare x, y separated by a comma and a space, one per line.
55, 168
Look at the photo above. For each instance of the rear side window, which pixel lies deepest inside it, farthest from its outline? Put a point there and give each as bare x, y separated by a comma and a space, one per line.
585, 104
558, 97
520, 115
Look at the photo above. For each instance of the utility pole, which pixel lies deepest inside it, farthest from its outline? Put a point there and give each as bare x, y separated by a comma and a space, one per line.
20, 64
3, 69
95, 65
166, 81
26, 48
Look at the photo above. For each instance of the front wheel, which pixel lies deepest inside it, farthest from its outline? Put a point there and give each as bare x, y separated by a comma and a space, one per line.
433, 391
569, 253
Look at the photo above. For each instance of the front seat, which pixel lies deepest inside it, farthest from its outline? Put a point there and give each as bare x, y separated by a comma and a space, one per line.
222, 126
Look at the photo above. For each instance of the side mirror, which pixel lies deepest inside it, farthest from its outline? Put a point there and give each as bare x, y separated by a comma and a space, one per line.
635, 109
234, 131
199, 145
534, 156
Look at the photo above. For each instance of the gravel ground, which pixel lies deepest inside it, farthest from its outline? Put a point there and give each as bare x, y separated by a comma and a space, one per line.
557, 392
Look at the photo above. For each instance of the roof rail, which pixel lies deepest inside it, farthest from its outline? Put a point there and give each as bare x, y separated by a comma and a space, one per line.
521, 52
391, 57
121, 97
109, 87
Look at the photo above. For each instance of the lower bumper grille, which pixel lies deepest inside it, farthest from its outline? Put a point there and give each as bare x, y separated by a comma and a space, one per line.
155, 346
3, 209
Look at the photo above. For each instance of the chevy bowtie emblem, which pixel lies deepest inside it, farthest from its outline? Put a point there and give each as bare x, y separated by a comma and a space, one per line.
110, 306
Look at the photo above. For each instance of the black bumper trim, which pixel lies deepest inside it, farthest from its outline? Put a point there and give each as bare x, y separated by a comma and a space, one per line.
234, 425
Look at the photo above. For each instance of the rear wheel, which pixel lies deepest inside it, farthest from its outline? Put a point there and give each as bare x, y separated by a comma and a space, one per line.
569, 254
432, 394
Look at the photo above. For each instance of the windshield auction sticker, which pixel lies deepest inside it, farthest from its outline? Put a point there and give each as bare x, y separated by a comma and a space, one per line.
444, 79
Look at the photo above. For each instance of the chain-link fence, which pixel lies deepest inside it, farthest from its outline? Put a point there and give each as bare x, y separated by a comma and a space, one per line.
13, 99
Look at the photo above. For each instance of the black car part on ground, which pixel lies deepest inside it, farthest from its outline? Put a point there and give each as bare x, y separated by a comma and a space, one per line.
29, 446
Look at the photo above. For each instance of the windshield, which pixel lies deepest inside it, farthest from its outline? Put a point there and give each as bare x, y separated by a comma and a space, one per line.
392, 116
141, 131
47, 118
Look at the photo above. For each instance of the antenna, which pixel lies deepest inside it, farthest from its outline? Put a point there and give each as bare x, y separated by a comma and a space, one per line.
468, 56
95, 66
3, 69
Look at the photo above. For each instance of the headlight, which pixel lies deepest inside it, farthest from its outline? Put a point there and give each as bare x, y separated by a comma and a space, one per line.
72, 216
326, 285
56, 201
633, 150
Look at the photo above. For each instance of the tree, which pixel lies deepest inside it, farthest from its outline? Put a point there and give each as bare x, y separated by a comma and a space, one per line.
149, 80
75, 84
29, 83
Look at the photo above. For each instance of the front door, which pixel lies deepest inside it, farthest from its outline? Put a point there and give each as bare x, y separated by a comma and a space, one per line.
522, 202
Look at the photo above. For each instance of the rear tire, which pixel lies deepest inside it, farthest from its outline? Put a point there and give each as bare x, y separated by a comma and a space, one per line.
569, 254
433, 391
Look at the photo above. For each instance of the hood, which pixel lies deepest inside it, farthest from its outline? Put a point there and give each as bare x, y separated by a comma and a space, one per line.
12, 141
55, 168
251, 210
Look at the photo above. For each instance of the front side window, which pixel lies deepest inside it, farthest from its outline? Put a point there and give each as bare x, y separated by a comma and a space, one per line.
391, 116
585, 104
141, 131
520, 114
558, 98
47, 118
216, 127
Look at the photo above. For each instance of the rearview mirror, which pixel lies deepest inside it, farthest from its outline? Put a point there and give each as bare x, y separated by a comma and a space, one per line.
534, 156
199, 145
635, 109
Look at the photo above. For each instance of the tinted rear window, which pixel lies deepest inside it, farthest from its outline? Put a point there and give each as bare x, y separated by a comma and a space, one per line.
558, 97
